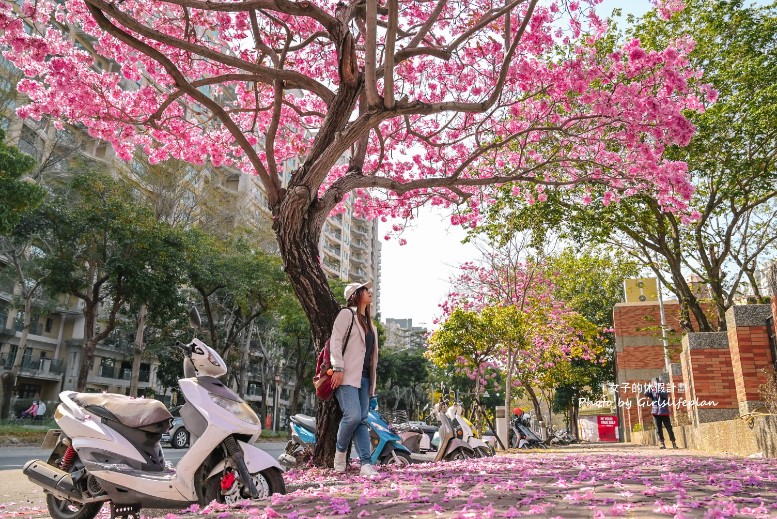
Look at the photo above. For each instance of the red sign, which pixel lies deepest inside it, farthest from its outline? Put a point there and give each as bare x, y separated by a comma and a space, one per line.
608, 428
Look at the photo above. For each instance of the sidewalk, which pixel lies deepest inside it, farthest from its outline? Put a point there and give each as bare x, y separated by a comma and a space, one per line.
573, 482
600, 480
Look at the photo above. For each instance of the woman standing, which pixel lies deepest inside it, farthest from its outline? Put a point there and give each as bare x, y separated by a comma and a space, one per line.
354, 374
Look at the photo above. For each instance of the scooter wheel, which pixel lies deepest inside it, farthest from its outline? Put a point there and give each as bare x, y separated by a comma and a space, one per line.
402, 459
267, 482
457, 455
64, 509
483, 452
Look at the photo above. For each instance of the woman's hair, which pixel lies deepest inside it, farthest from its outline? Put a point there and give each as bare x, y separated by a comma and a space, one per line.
354, 301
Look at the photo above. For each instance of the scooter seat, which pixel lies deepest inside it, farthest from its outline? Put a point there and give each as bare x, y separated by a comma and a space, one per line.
308, 422
139, 413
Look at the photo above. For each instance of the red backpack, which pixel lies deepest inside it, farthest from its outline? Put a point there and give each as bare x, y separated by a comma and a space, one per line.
322, 381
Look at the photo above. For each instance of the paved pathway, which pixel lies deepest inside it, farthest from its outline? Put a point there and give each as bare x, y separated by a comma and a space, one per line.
573, 482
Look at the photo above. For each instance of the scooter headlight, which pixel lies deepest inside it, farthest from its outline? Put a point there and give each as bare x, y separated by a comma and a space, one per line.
241, 410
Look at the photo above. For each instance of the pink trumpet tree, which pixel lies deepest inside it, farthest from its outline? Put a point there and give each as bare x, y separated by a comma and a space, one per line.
526, 332
430, 102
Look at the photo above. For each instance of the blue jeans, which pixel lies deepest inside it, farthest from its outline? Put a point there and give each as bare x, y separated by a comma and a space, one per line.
355, 404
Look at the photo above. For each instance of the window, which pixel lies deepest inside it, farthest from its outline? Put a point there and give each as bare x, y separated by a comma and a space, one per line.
26, 357
49, 324
29, 390
107, 368
3, 315
12, 354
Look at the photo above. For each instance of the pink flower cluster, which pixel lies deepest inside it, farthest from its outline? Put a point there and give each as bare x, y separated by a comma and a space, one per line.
198, 83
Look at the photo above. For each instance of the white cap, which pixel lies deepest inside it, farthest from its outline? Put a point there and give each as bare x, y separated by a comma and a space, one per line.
351, 288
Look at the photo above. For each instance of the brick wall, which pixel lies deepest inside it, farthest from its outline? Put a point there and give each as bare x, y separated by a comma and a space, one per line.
750, 352
709, 377
640, 353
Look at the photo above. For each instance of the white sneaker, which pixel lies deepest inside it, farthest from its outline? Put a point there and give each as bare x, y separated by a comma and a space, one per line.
369, 471
340, 461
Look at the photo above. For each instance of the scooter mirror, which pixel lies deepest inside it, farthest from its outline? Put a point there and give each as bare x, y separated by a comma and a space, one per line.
194, 318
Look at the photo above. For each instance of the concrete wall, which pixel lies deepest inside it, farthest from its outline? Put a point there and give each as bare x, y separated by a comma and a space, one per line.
729, 436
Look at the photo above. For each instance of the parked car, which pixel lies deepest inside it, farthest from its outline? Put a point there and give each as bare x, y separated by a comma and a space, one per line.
177, 436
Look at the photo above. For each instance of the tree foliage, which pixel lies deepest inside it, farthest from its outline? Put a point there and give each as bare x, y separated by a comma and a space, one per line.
730, 158
18, 195
104, 247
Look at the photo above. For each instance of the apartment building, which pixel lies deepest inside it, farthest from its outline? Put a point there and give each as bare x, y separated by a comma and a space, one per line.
350, 250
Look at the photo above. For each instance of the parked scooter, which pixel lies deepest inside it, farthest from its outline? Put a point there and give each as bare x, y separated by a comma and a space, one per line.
417, 436
463, 429
387, 448
109, 448
521, 435
448, 445
562, 437
303, 440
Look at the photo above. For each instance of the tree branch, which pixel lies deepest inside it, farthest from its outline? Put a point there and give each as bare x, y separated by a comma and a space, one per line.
268, 75
271, 184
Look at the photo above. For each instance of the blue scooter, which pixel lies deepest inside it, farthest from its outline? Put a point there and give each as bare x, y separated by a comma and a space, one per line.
387, 448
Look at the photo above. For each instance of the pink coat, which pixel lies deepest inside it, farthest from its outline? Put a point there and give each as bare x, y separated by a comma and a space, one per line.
353, 361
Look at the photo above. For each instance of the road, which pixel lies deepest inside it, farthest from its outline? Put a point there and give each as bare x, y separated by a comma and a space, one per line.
13, 458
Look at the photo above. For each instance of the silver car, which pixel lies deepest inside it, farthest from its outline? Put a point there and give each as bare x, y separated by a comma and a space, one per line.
177, 436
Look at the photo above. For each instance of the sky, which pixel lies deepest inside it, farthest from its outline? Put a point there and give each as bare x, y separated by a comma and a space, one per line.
414, 277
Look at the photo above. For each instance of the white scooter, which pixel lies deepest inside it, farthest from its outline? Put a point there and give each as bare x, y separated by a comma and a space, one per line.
109, 449
463, 430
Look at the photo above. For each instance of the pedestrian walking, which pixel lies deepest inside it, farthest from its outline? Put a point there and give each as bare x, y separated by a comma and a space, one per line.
355, 374
656, 392
40, 413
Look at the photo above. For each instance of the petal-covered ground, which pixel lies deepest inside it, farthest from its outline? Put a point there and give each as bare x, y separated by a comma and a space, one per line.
592, 481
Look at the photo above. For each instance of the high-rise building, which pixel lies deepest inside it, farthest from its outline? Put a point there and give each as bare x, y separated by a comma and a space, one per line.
350, 249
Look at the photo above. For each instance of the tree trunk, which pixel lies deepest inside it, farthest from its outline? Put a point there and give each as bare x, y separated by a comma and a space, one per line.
688, 302
298, 240
574, 429
90, 344
245, 363
508, 398
138, 350
535, 401
8, 381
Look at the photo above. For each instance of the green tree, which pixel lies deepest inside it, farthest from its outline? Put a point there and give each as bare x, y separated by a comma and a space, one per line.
402, 376
235, 282
22, 274
104, 248
590, 281
17, 193
731, 158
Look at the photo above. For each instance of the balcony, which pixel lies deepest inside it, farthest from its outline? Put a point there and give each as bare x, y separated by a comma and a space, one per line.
337, 221
51, 369
359, 258
334, 265
334, 251
361, 231
331, 232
